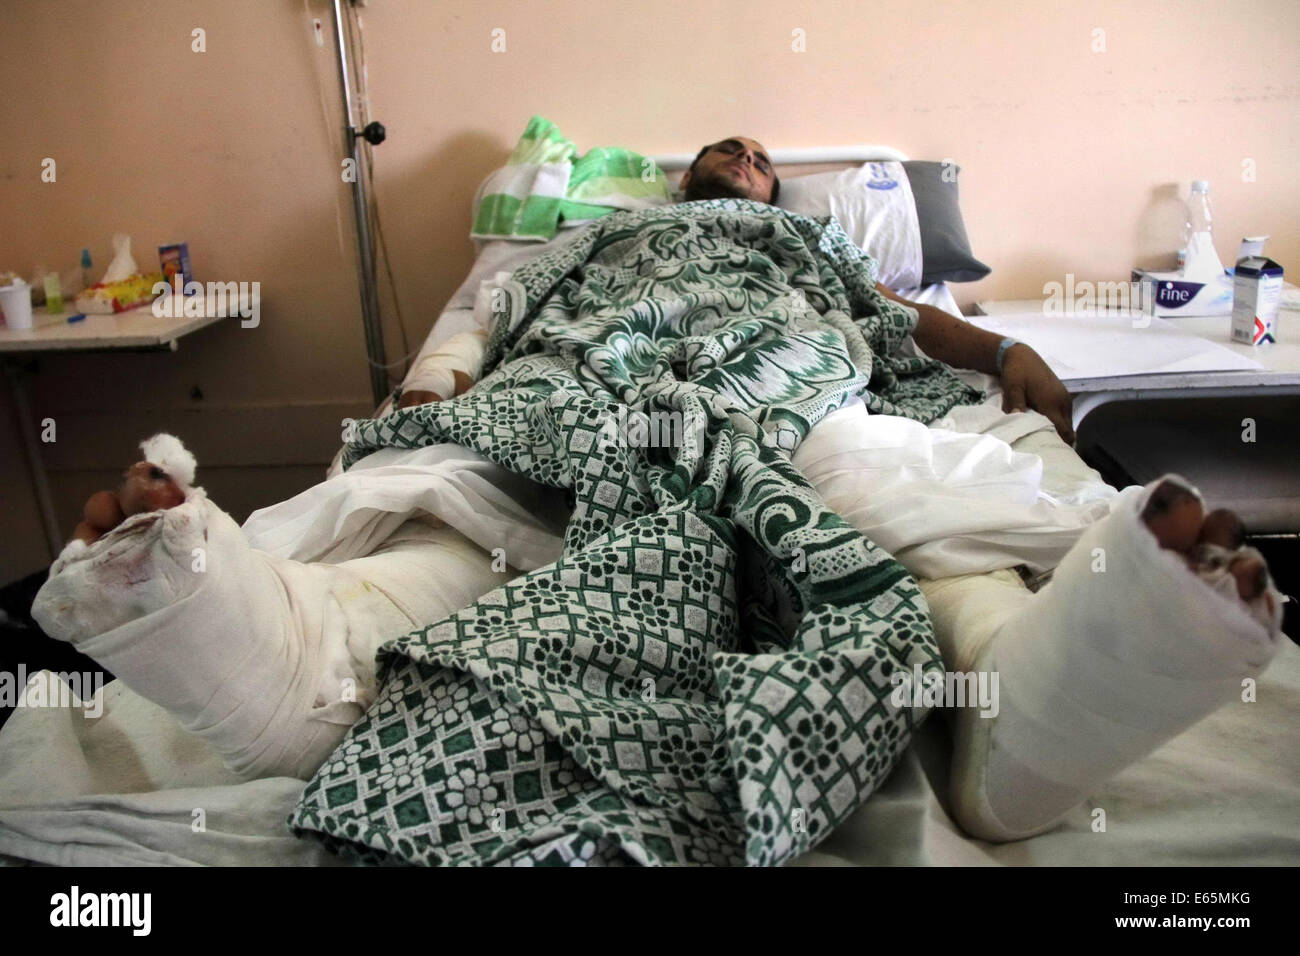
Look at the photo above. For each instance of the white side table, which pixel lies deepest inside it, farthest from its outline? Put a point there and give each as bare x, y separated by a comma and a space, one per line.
1279, 373
1262, 489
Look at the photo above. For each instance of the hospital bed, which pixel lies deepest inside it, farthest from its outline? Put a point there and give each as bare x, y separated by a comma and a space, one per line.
132, 788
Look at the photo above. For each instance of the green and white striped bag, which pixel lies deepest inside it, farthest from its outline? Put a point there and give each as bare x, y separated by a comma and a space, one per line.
545, 183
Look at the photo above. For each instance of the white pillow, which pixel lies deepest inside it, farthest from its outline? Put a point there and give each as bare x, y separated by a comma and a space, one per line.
874, 204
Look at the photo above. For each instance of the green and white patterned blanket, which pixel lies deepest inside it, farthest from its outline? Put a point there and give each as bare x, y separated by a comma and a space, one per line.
705, 675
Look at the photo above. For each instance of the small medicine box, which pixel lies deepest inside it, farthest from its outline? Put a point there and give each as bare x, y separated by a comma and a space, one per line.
1256, 295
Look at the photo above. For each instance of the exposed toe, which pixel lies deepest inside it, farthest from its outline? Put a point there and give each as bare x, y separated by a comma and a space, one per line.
103, 511
148, 488
1251, 575
1175, 516
1224, 528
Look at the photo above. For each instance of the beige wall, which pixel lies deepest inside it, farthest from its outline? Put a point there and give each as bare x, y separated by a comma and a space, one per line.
237, 151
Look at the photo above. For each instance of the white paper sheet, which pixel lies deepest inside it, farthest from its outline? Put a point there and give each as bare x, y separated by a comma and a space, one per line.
1103, 346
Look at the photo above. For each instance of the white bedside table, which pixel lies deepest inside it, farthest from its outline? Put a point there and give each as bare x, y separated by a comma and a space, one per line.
1187, 435
1278, 374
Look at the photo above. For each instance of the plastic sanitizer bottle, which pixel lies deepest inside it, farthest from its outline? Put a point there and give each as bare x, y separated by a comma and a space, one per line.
1197, 256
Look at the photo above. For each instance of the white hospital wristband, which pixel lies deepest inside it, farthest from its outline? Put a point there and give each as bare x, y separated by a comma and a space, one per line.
1002, 351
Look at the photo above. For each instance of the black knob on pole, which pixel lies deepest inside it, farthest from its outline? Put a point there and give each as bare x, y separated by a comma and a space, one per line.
374, 133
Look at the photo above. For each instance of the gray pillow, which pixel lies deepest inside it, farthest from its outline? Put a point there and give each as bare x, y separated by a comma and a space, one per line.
945, 250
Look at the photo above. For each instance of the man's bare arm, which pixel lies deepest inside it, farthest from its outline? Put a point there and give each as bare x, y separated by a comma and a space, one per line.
951, 340
1027, 381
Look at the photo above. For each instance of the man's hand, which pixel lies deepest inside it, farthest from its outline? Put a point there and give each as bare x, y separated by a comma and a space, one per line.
417, 397
1028, 382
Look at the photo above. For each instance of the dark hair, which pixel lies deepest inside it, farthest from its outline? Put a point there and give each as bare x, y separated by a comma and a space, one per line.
776, 182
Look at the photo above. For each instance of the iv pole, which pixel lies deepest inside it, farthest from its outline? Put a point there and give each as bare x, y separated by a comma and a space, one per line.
374, 134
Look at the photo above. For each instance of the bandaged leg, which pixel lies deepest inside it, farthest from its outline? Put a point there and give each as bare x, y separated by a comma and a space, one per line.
1125, 648
269, 660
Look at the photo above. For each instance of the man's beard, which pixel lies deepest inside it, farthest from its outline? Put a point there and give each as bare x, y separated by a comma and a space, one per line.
714, 188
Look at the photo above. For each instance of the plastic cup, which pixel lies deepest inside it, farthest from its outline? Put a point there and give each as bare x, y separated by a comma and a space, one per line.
16, 301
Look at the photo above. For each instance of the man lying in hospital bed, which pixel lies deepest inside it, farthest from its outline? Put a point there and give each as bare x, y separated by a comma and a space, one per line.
1083, 691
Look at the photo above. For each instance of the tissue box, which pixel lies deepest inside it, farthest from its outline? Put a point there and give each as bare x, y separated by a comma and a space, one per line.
1256, 294
1170, 294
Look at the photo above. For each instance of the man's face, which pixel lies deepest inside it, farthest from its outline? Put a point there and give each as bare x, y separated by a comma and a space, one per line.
735, 168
